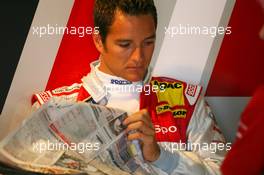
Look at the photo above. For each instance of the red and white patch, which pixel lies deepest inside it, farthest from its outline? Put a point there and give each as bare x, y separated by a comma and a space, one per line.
192, 93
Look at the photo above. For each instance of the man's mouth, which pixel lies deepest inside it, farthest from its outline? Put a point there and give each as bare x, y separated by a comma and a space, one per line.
135, 68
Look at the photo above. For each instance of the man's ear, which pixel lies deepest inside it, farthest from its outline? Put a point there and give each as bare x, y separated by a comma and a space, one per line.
261, 32
97, 39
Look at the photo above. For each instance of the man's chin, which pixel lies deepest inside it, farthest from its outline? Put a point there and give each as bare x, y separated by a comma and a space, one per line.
135, 75
134, 78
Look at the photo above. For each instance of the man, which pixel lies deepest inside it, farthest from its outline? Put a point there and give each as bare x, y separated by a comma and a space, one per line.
250, 138
173, 115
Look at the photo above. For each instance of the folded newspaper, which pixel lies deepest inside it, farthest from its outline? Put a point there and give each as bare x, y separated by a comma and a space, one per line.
77, 138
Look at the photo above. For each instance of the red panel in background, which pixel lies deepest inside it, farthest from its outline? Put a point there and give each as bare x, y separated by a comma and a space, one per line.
75, 53
239, 68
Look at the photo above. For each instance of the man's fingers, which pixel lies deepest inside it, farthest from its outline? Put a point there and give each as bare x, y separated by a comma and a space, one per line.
140, 126
146, 139
142, 115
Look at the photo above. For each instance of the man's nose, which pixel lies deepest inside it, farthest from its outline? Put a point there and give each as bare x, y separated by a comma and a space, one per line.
137, 55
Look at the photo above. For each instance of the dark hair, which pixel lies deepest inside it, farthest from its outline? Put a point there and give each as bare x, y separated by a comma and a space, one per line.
104, 12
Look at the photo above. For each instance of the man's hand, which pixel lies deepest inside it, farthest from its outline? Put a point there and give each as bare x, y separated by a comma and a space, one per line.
141, 126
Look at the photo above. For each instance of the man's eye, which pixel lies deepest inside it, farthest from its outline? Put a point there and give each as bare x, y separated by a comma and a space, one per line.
124, 45
147, 43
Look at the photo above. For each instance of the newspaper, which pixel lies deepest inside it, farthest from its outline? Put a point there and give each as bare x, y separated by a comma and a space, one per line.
17, 149
63, 138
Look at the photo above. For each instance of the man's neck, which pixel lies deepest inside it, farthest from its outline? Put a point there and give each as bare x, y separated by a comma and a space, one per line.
104, 68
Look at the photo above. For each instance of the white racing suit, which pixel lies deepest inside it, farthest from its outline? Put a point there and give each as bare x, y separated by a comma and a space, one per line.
190, 141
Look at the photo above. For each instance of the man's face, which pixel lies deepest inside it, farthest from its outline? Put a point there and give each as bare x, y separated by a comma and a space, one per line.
128, 47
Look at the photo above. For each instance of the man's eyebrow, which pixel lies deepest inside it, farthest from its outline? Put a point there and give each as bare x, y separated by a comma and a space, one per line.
128, 40
151, 37
123, 40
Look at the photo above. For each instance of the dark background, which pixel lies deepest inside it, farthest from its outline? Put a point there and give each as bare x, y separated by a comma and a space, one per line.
15, 18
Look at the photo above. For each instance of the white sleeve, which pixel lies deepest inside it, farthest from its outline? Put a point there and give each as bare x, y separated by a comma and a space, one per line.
204, 151
35, 106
